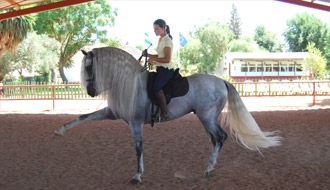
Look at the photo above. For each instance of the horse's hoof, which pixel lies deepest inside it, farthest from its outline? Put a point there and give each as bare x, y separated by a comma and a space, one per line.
135, 181
208, 175
56, 136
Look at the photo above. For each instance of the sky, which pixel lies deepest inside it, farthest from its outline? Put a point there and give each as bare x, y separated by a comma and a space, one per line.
137, 17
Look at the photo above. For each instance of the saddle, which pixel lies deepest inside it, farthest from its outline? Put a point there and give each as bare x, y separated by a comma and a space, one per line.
176, 87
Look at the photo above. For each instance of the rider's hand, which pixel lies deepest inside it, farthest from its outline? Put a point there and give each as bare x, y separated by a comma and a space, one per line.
152, 61
144, 52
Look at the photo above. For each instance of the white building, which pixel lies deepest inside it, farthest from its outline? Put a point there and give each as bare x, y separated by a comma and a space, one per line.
264, 65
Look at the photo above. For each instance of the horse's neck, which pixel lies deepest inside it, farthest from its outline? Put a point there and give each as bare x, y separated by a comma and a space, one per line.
143, 85
144, 77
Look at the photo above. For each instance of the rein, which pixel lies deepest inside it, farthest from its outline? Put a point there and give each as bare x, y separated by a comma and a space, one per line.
146, 60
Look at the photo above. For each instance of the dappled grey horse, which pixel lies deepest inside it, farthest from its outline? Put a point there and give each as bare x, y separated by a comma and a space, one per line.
117, 75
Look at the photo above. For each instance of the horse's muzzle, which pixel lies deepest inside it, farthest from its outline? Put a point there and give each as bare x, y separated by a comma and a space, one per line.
91, 91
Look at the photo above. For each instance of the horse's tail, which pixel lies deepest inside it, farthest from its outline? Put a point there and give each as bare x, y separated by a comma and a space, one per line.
243, 126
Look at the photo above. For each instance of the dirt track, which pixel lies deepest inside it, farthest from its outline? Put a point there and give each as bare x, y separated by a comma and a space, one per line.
100, 155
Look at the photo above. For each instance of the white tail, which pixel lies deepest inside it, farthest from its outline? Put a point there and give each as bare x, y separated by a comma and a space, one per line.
243, 126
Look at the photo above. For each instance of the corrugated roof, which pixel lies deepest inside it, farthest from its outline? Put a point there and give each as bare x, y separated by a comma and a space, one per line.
10, 4
316, 4
16, 9
17, 4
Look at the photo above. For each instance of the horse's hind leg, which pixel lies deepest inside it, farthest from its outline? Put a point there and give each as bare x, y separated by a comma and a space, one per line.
217, 137
98, 115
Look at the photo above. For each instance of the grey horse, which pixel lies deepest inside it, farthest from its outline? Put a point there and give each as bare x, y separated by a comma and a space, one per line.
117, 75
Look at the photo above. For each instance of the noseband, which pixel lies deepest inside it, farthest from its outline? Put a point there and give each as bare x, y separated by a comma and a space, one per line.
92, 74
90, 71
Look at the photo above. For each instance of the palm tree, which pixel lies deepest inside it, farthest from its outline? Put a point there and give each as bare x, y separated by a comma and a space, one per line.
12, 32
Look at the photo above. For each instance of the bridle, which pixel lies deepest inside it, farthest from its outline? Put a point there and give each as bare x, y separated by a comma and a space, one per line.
91, 80
90, 71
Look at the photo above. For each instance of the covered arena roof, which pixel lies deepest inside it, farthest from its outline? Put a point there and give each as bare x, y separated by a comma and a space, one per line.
15, 6
55, 4
317, 4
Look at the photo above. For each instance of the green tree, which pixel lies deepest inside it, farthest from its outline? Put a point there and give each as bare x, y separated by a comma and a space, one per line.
244, 44
37, 53
209, 40
267, 40
76, 26
316, 63
303, 29
327, 51
12, 32
112, 42
235, 22
191, 54
140, 47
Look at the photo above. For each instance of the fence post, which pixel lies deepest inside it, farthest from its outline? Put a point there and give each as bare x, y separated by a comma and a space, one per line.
53, 93
256, 89
313, 93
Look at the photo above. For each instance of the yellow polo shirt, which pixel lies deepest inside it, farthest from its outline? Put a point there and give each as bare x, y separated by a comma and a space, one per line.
162, 43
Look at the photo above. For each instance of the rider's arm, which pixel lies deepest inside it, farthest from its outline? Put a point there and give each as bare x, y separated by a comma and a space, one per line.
165, 59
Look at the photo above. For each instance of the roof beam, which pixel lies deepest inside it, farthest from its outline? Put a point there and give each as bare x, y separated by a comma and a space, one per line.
308, 4
14, 3
41, 8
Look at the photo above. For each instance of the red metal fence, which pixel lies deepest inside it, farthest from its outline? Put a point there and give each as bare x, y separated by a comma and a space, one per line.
44, 92
277, 88
245, 89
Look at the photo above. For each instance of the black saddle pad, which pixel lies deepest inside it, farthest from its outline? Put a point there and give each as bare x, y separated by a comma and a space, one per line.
177, 86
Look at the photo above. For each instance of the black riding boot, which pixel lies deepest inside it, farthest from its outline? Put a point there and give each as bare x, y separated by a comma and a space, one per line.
160, 96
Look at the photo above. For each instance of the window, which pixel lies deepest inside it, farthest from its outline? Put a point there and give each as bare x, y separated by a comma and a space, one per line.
252, 68
268, 68
284, 68
260, 68
275, 67
299, 68
291, 68
244, 68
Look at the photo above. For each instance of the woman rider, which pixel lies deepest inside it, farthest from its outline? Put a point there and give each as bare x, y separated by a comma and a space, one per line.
163, 62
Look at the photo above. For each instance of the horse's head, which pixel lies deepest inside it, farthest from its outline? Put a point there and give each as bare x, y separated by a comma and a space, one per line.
88, 72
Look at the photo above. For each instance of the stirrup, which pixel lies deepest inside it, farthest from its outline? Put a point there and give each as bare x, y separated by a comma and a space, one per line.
154, 116
162, 119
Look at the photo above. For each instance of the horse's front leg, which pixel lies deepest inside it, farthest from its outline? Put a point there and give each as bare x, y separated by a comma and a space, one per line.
98, 115
137, 133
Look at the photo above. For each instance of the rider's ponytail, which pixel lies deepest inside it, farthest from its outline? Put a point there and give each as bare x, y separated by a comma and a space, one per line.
168, 32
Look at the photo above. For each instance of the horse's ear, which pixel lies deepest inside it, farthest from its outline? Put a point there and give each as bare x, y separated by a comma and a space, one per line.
84, 52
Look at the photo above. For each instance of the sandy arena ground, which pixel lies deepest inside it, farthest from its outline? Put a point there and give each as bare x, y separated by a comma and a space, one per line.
100, 154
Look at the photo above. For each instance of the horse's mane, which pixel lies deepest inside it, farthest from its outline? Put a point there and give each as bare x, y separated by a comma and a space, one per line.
117, 73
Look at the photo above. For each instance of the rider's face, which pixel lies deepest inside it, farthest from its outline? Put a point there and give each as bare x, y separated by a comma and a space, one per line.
158, 30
